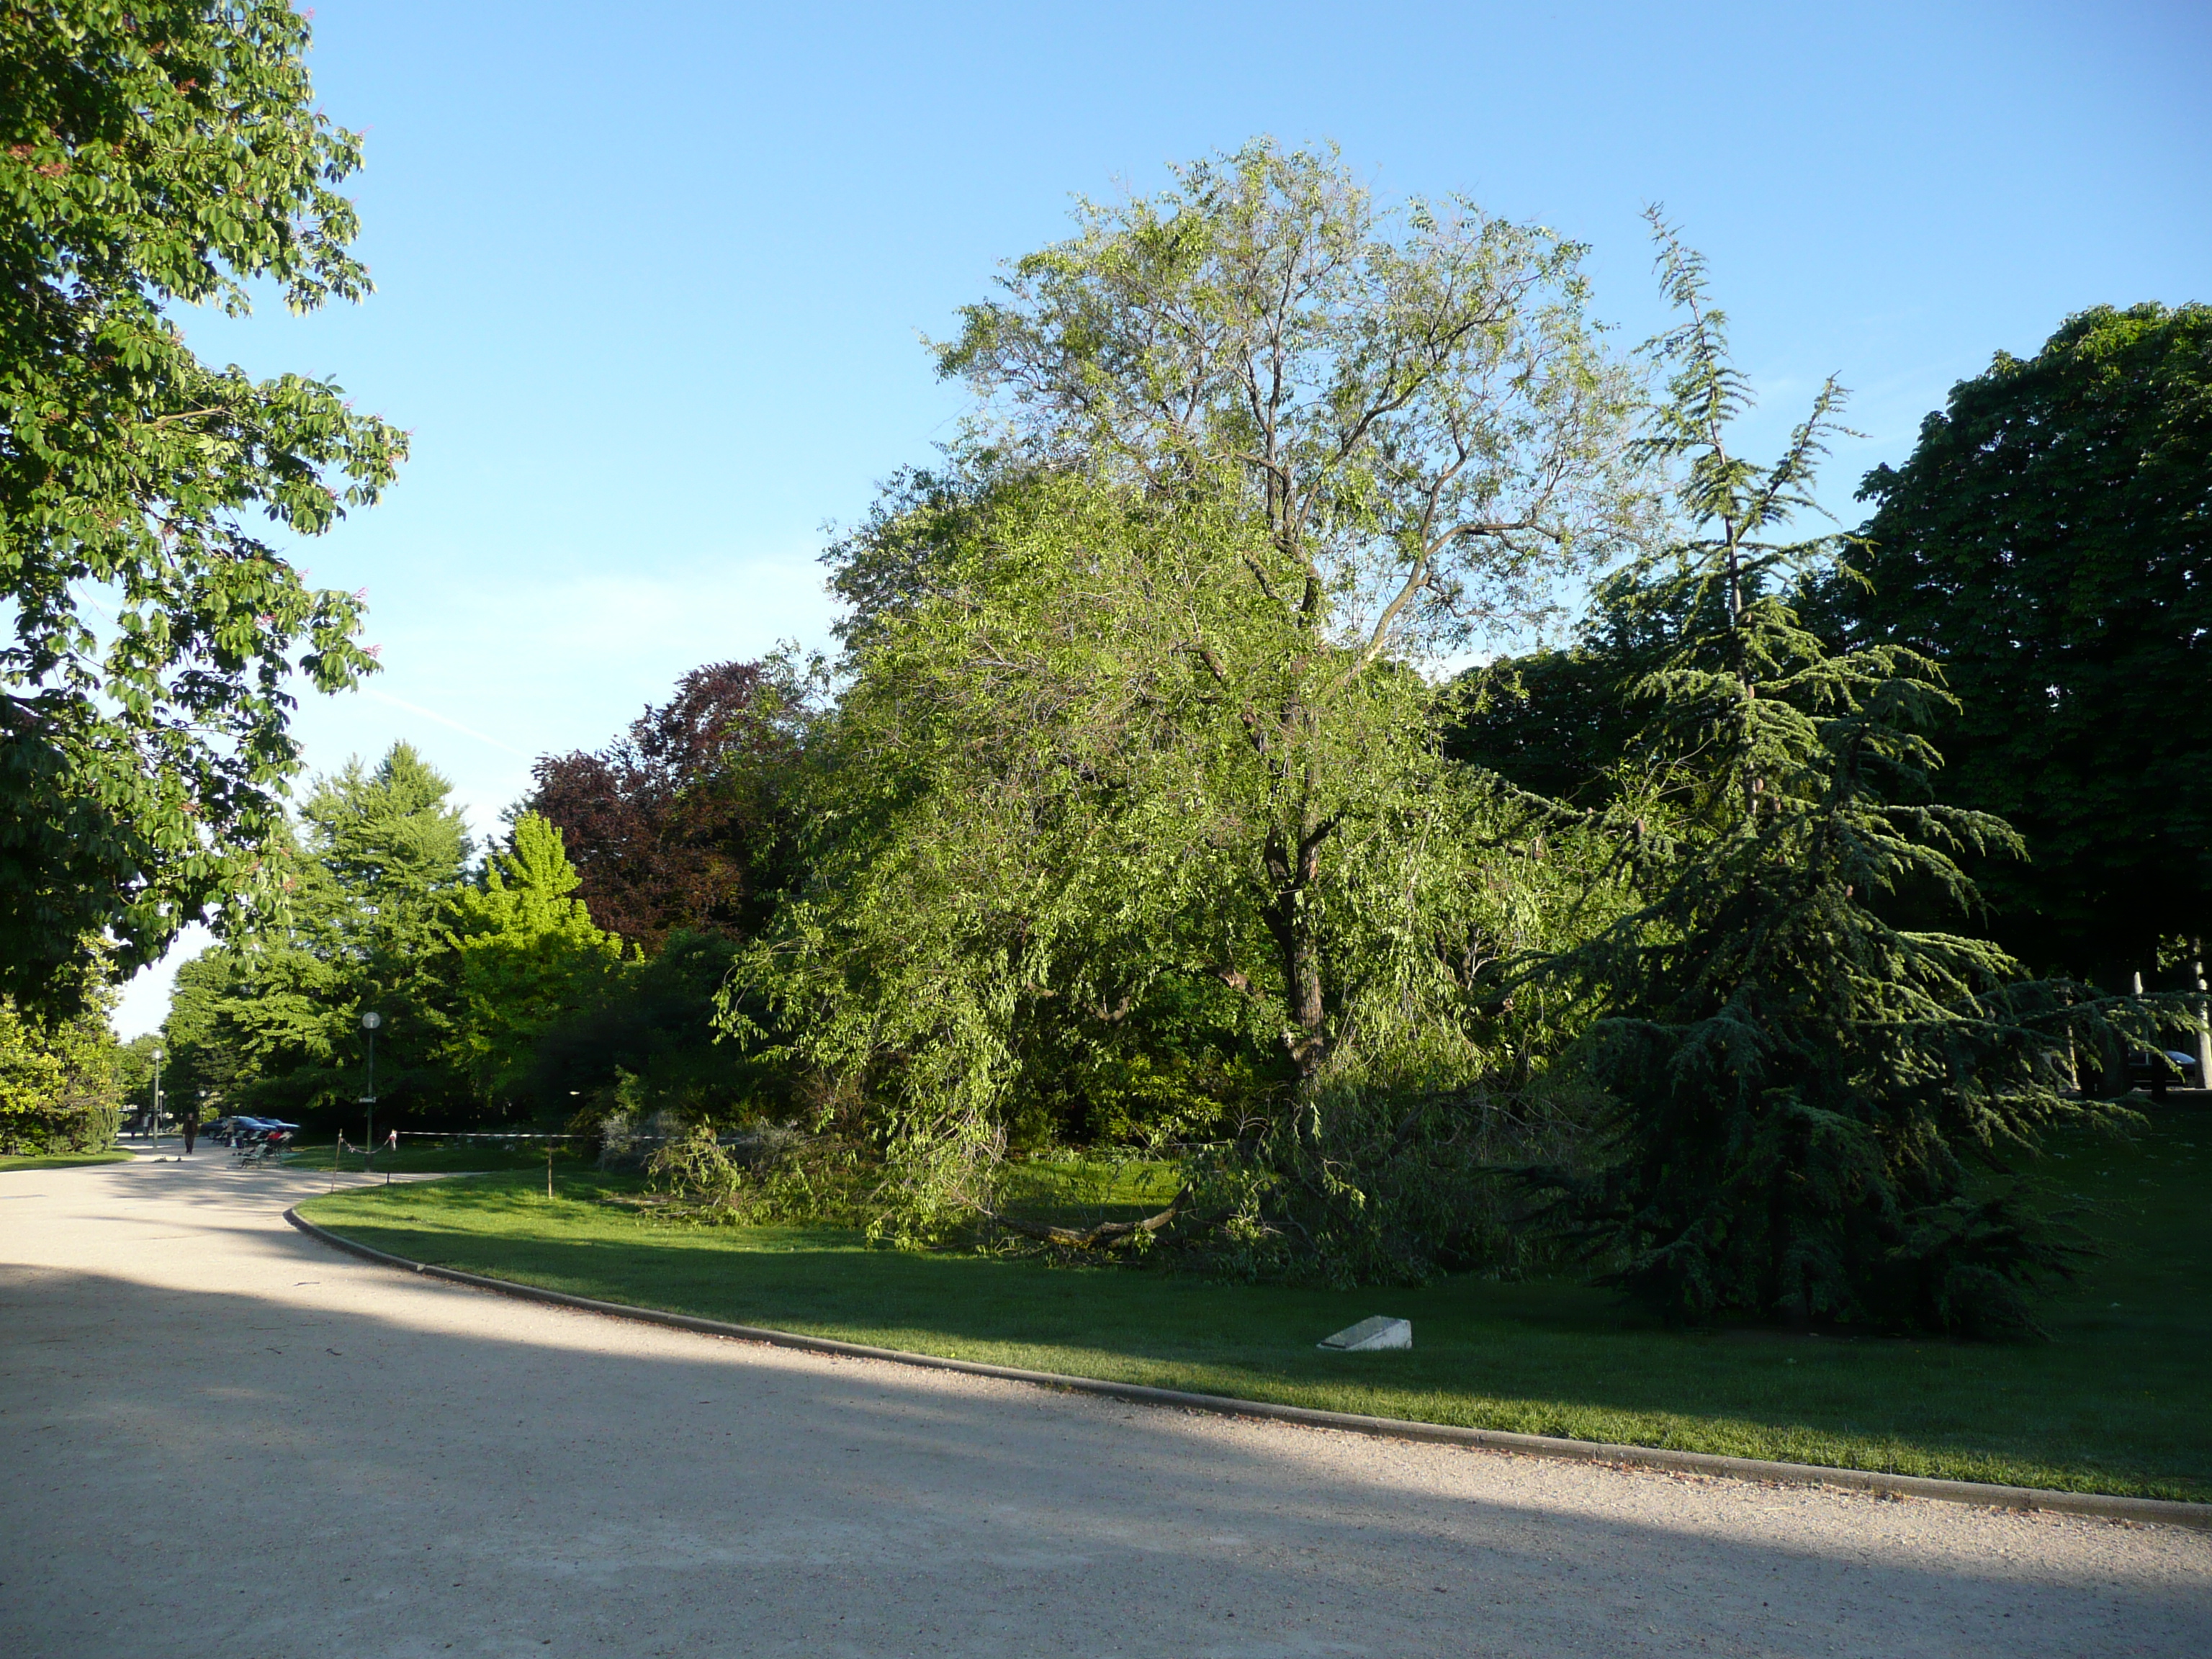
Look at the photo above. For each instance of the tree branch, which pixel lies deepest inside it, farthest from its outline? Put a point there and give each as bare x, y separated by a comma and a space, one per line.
1106, 1233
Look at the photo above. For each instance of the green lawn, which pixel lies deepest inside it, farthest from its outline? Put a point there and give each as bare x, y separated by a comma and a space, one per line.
2116, 1402
58, 1160
418, 1158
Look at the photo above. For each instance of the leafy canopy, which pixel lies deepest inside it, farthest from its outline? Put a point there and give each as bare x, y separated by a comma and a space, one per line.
2049, 540
1412, 404
62, 1079
1135, 712
364, 892
153, 155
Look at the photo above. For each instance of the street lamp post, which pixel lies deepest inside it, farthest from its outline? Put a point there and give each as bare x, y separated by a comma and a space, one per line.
369, 1022
154, 1126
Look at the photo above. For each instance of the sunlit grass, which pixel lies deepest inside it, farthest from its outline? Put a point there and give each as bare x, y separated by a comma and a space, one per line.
2114, 1402
445, 1158
61, 1160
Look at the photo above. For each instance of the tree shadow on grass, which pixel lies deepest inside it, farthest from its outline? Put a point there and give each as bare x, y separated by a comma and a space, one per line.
1538, 1357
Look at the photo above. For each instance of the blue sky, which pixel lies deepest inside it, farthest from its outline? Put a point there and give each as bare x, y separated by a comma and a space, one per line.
652, 278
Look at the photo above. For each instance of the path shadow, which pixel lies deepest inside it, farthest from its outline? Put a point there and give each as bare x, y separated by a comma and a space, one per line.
217, 1471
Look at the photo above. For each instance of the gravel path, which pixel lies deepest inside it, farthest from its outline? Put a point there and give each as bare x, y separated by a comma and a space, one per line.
223, 1438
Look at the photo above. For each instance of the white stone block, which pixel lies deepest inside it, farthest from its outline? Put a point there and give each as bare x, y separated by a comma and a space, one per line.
1368, 1334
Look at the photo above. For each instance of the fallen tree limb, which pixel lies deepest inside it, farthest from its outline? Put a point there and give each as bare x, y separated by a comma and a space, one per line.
1106, 1233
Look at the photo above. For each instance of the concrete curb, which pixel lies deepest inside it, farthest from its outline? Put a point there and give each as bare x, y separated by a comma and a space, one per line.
2157, 1510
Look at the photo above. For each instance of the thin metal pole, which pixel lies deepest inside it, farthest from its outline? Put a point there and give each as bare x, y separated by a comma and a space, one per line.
371, 1102
156, 1125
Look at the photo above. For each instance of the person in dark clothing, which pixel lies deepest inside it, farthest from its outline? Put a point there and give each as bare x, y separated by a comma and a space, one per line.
191, 1120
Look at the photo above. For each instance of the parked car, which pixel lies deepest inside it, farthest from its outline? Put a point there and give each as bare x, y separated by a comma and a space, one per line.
2160, 1069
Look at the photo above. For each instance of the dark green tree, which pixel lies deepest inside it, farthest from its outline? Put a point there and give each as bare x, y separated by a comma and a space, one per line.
152, 154
649, 1044
1564, 721
2049, 541
1803, 1088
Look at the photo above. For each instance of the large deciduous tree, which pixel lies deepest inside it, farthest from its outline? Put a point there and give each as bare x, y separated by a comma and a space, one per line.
2049, 541
1135, 707
1409, 415
152, 154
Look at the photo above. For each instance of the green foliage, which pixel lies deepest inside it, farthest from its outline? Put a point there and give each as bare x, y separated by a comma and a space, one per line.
134, 1072
649, 1044
59, 1084
1049, 840
1554, 721
1135, 732
150, 155
525, 958
770, 1175
500, 997
1801, 1084
1569, 723
2048, 541
1180, 1064
386, 856
273, 1020
1410, 406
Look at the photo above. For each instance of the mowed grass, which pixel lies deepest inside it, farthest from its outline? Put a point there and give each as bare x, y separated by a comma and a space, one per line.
2115, 1402
58, 1160
443, 1159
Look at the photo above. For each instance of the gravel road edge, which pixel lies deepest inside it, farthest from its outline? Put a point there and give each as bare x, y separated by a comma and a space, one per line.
2104, 1506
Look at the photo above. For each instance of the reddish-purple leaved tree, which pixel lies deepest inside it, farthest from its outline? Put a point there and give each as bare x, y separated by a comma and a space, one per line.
668, 825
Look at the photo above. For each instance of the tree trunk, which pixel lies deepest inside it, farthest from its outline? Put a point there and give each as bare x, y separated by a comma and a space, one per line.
1292, 872
2158, 1068
2115, 1049
2204, 1021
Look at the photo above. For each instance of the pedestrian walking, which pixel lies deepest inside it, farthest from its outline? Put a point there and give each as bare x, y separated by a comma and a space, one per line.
191, 1121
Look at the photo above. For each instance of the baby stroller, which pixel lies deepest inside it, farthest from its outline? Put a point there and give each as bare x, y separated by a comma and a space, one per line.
263, 1144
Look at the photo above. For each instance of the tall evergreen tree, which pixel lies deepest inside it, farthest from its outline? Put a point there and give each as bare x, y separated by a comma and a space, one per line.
360, 902
1804, 1088
525, 957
